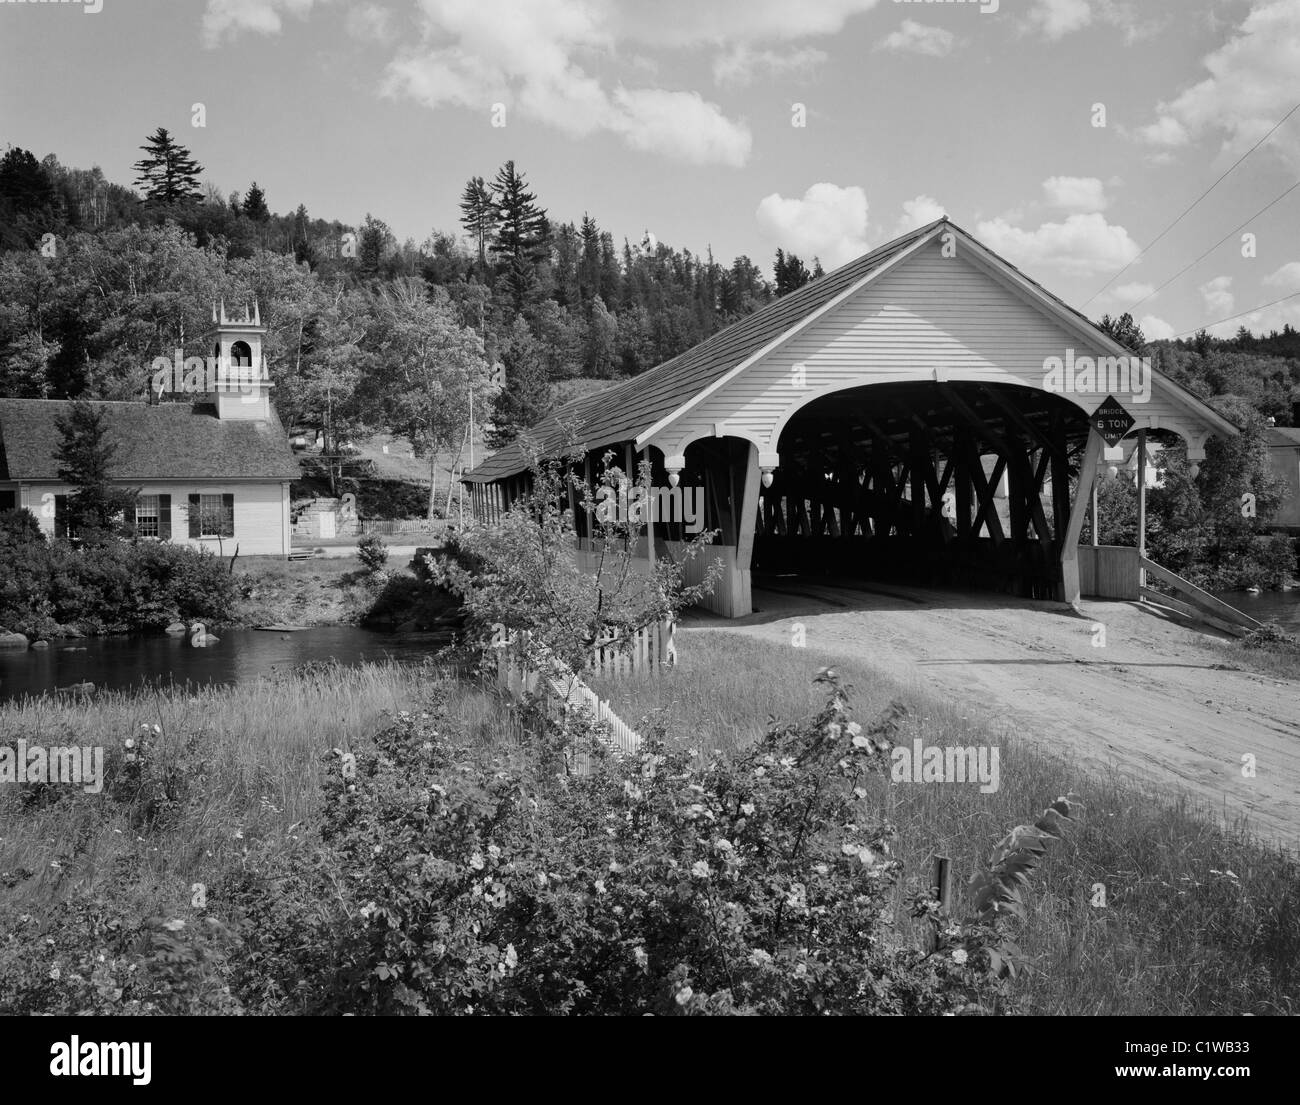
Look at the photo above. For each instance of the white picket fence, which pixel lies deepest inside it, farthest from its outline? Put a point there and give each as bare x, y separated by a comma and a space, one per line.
650, 648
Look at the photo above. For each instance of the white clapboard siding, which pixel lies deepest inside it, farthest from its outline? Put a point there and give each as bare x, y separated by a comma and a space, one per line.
928, 314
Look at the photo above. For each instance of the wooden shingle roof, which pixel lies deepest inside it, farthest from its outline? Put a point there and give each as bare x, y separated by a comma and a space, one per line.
168, 441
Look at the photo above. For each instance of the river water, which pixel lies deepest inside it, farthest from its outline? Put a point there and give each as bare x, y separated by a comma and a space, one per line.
1282, 607
123, 663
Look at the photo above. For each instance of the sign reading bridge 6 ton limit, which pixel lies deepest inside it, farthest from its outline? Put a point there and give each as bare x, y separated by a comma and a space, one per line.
1112, 421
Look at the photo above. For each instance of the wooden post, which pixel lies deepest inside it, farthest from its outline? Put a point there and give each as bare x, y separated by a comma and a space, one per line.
941, 882
742, 593
651, 508
1070, 542
1142, 505
1096, 516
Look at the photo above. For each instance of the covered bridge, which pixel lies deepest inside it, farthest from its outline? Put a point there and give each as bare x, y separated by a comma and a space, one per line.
925, 413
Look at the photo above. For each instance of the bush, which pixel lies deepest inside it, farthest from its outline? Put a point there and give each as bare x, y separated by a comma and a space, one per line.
49, 587
449, 881
372, 552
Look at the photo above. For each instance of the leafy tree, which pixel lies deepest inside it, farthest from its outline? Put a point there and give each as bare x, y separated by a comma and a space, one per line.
523, 233
168, 173
425, 366
376, 244
85, 457
254, 205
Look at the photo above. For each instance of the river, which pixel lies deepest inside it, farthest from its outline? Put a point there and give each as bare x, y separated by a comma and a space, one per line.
1282, 607
123, 663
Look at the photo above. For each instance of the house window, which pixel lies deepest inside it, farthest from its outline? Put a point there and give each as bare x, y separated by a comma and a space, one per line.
146, 516
212, 516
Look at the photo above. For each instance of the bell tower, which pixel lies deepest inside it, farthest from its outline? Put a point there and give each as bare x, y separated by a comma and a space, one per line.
240, 380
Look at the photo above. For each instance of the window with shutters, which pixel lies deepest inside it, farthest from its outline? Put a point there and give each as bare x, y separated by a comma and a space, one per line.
216, 516
146, 516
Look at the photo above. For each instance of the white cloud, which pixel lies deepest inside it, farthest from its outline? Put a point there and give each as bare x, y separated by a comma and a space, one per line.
1217, 295
698, 22
1133, 293
1286, 279
1082, 245
1155, 329
228, 18
918, 212
742, 64
370, 23
1254, 79
1054, 19
1075, 193
1058, 18
482, 52
829, 222
916, 38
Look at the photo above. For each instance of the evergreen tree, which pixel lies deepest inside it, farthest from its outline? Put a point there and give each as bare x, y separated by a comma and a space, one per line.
255, 204
1124, 330
523, 233
478, 215
526, 396
791, 273
589, 266
85, 456
168, 173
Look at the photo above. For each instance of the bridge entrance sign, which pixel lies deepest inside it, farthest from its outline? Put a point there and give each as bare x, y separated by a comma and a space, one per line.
1112, 421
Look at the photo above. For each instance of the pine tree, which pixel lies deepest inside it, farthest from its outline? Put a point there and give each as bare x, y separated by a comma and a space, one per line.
523, 233
791, 274
1124, 330
169, 174
478, 215
526, 397
589, 266
85, 456
255, 204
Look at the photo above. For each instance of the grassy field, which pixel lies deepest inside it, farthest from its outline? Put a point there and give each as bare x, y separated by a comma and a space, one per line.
260, 745
301, 592
1197, 919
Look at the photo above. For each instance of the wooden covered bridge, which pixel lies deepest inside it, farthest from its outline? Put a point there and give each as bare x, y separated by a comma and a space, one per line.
923, 414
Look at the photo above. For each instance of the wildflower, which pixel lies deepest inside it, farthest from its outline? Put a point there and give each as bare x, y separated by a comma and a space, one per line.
760, 771
639, 955
477, 862
833, 731
600, 886
854, 729
759, 958
368, 910
722, 844
494, 851
239, 834
747, 808
55, 972
128, 743
821, 868
959, 956
684, 995
861, 742
512, 957
174, 925
700, 869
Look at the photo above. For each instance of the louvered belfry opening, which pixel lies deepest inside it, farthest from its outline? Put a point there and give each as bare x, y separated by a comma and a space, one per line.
963, 485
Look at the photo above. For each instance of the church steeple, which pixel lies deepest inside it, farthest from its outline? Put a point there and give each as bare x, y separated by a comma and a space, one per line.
242, 380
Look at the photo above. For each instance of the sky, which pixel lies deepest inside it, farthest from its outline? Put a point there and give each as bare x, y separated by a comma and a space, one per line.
1067, 135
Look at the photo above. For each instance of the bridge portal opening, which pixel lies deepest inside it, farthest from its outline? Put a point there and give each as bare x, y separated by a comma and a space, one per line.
963, 485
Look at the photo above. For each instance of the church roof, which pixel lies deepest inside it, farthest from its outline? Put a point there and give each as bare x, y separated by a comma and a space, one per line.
167, 441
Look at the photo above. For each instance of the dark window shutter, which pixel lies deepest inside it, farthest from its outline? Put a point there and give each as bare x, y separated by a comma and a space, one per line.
165, 517
196, 520
8, 500
60, 516
227, 516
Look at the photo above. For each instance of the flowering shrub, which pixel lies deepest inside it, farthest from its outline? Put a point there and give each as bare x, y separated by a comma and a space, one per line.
453, 882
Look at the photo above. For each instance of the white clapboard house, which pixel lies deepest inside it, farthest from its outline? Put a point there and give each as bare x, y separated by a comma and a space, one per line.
213, 467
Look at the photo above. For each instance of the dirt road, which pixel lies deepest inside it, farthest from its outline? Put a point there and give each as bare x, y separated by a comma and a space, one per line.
1154, 702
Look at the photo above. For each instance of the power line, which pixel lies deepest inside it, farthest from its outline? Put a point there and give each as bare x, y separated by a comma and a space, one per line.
1188, 210
1240, 314
1216, 245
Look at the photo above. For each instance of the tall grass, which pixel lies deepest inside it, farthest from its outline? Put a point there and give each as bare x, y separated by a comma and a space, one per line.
1198, 918
263, 745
